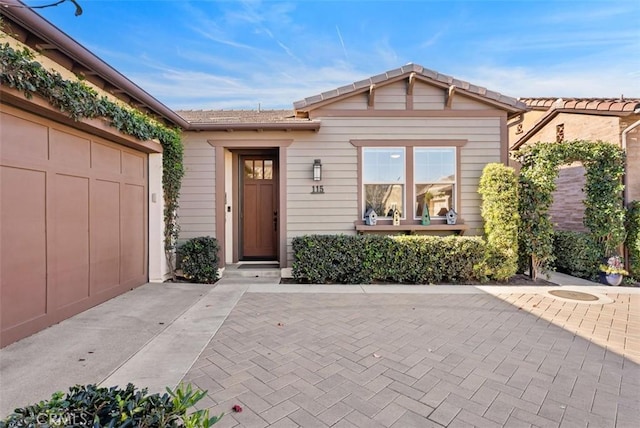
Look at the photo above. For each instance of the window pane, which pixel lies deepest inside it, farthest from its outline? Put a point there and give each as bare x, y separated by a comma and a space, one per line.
268, 170
433, 165
383, 197
438, 197
248, 169
257, 170
383, 165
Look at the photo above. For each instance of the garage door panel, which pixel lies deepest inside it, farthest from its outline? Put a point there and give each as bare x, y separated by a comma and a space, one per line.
23, 139
133, 165
70, 249
105, 235
69, 150
133, 232
105, 159
23, 242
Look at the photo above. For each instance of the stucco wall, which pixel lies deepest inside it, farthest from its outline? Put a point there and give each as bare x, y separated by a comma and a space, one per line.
581, 127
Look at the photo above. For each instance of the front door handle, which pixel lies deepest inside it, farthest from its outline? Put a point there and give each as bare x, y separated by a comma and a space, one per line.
275, 221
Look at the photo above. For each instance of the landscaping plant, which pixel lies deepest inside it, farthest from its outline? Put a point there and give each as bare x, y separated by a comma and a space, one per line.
362, 259
499, 191
604, 212
199, 259
633, 239
94, 406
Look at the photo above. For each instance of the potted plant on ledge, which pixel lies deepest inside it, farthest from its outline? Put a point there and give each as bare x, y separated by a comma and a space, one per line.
612, 272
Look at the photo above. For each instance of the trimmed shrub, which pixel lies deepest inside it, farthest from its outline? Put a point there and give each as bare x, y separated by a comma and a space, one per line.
362, 259
199, 259
577, 253
633, 239
499, 191
85, 406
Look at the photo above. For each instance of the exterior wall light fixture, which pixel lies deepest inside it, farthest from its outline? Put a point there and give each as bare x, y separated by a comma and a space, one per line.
317, 170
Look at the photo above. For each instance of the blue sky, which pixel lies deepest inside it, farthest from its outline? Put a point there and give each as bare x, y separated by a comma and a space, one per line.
236, 54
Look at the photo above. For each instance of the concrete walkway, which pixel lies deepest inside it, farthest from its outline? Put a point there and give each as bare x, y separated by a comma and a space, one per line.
155, 335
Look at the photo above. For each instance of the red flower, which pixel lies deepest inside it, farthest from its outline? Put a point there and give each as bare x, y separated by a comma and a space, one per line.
237, 408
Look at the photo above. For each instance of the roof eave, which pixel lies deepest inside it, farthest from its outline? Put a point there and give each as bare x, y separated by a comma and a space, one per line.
258, 127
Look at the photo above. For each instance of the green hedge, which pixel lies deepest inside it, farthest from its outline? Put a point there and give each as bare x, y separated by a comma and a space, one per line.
499, 190
199, 259
363, 259
633, 239
577, 253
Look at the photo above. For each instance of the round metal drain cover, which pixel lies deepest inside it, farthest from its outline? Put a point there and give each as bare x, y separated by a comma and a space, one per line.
574, 295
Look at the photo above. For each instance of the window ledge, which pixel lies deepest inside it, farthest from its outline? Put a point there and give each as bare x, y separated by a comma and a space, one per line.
412, 229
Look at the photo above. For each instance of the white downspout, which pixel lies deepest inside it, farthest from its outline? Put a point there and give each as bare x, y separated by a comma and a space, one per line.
624, 147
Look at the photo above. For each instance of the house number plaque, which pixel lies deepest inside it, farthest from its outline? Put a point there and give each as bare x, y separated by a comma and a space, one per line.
315, 190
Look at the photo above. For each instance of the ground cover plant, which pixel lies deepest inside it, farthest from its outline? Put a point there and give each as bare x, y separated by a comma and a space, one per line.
93, 406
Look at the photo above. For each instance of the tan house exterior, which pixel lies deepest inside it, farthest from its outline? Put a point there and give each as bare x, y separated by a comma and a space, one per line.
81, 212
385, 139
616, 121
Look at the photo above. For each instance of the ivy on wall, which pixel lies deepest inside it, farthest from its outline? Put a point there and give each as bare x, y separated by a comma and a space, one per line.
604, 210
21, 71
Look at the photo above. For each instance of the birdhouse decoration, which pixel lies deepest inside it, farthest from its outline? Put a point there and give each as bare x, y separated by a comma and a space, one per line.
370, 217
426, 217
452, 216
396, 216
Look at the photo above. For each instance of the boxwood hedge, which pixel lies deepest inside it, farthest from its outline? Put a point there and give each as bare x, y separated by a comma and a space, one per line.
577, 253
362, 259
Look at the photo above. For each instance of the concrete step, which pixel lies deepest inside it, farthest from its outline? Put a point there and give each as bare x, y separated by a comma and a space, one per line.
251, 271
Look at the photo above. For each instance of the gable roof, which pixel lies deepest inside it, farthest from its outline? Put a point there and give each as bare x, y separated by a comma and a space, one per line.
590, 106
419, 72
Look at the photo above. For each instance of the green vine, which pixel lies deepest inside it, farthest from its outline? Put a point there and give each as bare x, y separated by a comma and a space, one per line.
21, 71
604, 211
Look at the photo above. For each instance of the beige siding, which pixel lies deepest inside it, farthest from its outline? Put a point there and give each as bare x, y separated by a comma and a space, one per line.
460, 102
391, 97
356, 102
427, 97
197, 197
336, 210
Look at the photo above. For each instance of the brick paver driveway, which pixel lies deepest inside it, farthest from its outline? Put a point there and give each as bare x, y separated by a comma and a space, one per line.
405, 360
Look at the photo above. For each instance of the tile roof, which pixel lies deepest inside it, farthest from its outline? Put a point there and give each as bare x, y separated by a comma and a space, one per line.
425, 73
621, 105
239, 116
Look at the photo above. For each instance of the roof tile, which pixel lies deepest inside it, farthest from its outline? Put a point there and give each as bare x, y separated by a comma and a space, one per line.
625, 105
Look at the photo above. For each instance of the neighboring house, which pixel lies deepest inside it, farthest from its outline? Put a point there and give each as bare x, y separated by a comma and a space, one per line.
397, 140
81, 212
616, 121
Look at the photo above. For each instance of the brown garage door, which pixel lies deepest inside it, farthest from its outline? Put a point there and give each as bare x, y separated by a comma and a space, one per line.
73, 222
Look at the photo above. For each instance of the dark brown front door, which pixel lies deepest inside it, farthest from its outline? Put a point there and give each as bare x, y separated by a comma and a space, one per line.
259, 211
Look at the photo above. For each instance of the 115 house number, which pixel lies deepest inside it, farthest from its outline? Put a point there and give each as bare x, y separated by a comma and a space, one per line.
317, 189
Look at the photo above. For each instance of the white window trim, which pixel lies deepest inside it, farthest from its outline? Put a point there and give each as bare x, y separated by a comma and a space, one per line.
403, 183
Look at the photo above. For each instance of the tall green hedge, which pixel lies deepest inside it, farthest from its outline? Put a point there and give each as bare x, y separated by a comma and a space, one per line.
363, 259
633, 239
499, 191
577, 253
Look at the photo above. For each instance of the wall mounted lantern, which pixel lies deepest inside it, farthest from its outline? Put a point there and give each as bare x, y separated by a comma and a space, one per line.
317, 170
